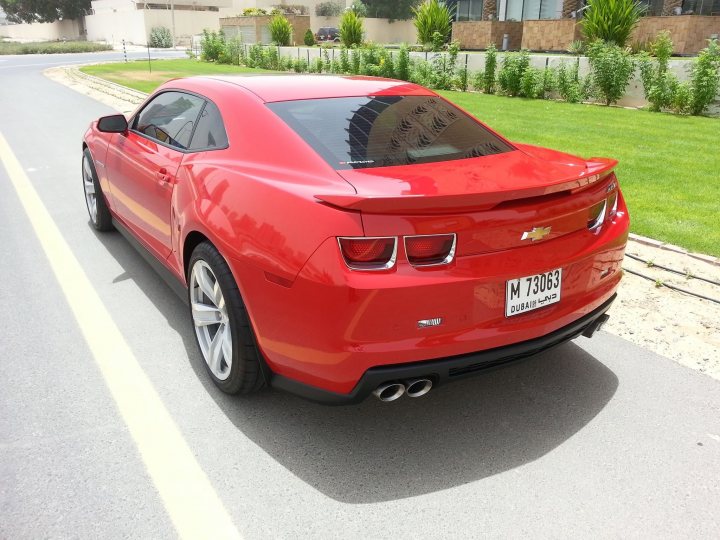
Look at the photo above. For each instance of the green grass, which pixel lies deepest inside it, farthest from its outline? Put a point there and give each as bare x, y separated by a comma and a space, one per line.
136, 74
669, 166
52, 47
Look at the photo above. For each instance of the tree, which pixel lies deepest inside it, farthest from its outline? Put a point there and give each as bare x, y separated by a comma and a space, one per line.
29, 11
395, 10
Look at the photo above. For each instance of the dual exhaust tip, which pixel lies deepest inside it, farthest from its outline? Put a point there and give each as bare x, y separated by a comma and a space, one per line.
394, 390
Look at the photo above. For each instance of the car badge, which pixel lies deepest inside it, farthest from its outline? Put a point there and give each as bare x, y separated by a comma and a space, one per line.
538, 233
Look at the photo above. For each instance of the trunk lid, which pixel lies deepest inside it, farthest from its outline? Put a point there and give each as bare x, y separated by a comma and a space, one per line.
489, 202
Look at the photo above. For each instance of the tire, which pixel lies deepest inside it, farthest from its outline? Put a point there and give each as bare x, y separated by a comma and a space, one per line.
221, 323
94, 198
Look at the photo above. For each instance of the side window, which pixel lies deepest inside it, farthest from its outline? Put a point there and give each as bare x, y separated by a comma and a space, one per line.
210, 131
170, 118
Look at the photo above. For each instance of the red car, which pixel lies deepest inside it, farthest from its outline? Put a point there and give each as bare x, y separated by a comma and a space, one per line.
343, 236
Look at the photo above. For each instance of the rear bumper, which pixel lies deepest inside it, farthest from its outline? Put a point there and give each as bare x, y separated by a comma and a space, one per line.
445, 370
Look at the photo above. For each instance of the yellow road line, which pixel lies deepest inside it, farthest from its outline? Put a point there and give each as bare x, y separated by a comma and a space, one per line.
189, 498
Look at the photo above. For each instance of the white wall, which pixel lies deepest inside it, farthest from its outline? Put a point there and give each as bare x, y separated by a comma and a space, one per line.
187, 23
383, 31
67, 29
113, 27
134, 25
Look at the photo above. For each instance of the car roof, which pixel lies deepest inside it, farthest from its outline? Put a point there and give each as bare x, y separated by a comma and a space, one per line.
288, 87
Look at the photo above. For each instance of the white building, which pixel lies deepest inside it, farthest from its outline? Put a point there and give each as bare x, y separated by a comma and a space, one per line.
113, 21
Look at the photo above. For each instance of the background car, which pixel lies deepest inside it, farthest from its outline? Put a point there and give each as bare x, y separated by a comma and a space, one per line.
342, 236
328, 33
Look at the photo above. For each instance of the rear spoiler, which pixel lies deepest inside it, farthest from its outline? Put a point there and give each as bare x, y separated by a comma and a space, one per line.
597, 169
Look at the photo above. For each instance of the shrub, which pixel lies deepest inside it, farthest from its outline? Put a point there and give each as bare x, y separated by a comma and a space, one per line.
488, 75
286, 63
369, 59
549, 82
231, 52
316, 65
577, 47
640, 46
611, 67
682, 98
280, 30
300, 65
421, 73
437, 42
292, 9
254, 56
402, 64
325, 53
212, 45
611, 20
443, 68
531, 83
270, 58
355, 62
705, 78
513, 67
430, 17
309, 38
253, 12
571, 87
659, 84
359, 8
344, 60
328, 9
160, 37
462, 79
351, 29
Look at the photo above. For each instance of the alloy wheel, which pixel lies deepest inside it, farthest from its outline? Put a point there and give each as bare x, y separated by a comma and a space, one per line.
89, 185
210, 318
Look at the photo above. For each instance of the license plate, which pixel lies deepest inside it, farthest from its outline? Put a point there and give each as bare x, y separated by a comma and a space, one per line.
532, 292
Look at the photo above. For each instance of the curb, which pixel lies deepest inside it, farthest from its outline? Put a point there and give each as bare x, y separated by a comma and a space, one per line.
673, 248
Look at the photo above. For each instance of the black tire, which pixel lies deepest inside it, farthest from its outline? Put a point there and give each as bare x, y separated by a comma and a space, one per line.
101, 220
245, 374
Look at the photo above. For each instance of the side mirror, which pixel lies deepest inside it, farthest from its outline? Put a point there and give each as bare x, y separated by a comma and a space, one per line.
116, 123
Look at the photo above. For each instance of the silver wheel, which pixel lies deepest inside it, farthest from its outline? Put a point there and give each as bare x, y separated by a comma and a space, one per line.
212, 325
89, 185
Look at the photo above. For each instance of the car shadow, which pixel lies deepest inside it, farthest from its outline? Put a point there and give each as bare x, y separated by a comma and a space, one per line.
376, 451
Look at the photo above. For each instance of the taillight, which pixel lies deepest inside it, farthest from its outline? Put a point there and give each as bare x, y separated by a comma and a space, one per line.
369, 253
597, 215
612, 204
430, 249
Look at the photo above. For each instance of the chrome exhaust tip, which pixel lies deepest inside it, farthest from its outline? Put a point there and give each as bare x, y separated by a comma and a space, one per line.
389, 391
418, 387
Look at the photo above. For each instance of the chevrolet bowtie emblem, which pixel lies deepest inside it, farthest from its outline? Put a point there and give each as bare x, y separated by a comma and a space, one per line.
538, 233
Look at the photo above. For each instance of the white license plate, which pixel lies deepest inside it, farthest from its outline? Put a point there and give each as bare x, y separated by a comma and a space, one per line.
532, 292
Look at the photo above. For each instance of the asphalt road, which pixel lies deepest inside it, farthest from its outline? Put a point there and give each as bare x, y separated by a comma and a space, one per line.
597, 438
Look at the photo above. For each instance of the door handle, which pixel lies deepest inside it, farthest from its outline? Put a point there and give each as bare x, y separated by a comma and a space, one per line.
163, 177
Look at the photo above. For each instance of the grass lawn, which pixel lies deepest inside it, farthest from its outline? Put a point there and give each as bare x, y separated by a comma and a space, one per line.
136, 75
669, 165
50, 47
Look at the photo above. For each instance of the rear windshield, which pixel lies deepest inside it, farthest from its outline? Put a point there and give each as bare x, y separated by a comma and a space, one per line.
366, 132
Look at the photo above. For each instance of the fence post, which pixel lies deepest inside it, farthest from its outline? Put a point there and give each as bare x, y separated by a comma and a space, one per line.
124, 50
466, 73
